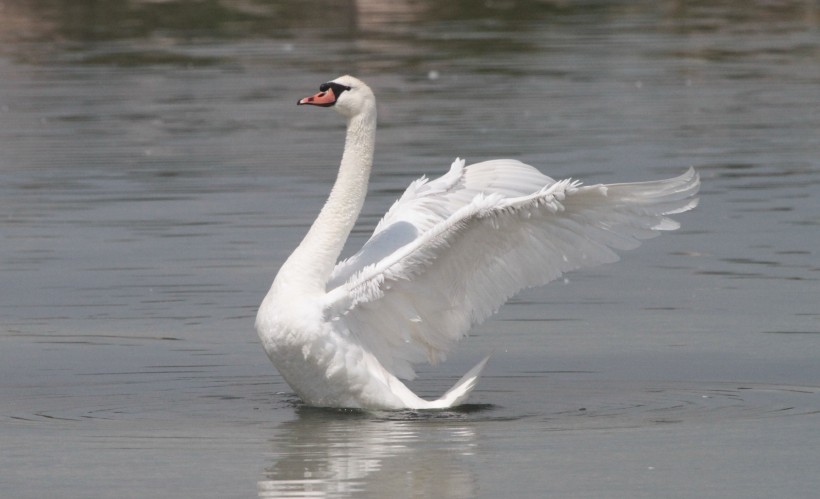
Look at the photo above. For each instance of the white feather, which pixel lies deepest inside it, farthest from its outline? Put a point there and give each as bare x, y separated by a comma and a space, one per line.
477, 243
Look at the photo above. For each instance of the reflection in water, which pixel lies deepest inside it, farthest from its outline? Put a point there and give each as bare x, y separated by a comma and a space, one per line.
327, 453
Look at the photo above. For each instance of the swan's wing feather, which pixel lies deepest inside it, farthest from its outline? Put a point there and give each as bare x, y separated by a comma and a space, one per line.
414, 303
426, 203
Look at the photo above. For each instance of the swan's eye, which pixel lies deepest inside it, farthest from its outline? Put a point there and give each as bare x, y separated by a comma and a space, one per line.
337, 88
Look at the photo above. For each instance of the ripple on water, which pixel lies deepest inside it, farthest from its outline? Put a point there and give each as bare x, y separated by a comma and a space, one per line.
584, 405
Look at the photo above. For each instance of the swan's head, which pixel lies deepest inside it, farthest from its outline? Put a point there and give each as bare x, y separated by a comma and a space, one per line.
346, 94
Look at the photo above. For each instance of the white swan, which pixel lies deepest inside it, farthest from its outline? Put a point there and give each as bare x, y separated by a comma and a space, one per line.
446, 255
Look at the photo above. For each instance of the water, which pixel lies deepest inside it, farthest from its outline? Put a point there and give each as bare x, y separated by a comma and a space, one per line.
154, 172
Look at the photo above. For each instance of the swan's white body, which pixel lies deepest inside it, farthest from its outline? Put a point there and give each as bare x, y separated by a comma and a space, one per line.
446, 255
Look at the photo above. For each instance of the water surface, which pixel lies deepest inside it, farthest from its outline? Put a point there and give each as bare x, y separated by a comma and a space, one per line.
155, 172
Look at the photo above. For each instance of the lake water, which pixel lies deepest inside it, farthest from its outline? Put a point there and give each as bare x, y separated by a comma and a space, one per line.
155, 172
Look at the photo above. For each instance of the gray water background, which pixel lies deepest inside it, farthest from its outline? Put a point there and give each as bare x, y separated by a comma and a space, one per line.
155, 172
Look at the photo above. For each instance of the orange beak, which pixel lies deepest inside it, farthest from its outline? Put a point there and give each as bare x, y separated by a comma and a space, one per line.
324, 99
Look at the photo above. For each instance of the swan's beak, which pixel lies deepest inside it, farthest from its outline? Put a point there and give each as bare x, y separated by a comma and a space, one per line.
324, 99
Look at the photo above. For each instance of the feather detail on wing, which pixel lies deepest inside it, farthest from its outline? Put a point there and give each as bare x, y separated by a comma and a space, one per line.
450, 252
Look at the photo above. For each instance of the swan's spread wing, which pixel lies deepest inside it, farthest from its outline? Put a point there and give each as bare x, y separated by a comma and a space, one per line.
415, 302
427, 203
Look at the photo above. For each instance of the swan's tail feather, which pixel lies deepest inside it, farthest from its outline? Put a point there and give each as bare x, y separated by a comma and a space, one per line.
458, 394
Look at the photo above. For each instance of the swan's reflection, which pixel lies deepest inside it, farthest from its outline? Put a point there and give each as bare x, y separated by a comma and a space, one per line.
332, 454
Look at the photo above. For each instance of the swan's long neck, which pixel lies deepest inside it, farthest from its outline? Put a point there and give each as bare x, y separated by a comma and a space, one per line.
310, 265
